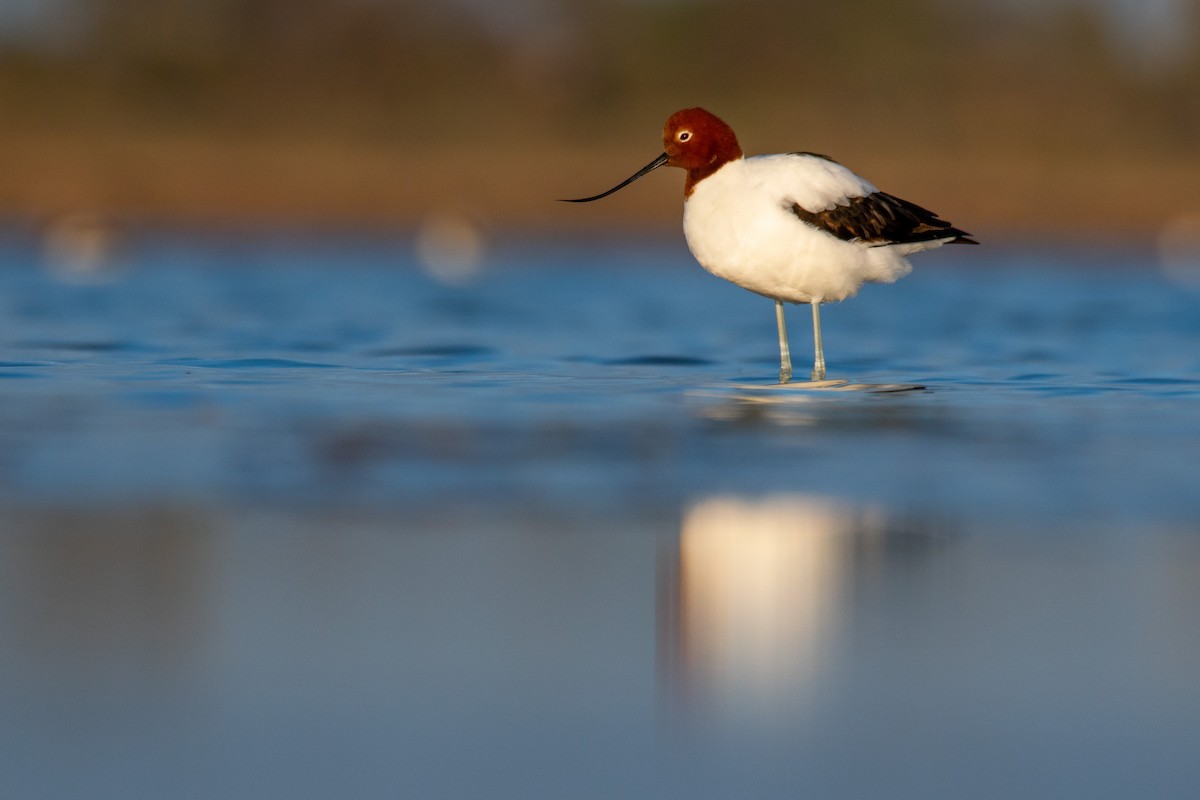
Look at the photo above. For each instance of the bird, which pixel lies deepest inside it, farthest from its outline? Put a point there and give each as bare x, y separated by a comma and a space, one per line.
793, 227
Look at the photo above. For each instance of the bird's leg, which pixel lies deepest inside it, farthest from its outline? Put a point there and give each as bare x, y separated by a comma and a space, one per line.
785, 357
818, 373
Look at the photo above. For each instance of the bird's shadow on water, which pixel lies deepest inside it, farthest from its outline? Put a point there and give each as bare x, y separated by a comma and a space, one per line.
830, 406
796, 389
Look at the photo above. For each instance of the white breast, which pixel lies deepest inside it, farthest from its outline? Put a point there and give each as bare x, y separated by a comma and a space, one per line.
740, 227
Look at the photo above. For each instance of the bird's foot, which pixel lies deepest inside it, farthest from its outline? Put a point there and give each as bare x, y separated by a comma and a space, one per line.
785, 375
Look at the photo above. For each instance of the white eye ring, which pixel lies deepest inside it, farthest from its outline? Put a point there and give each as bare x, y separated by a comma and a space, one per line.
684, 136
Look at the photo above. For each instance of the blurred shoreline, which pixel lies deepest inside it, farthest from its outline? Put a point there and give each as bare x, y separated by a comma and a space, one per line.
189, 179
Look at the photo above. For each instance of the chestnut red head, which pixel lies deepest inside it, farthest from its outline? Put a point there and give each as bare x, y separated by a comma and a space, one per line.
698, 140
693, 139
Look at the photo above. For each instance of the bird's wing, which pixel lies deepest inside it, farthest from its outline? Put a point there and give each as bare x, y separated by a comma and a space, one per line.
828, 196
815, 182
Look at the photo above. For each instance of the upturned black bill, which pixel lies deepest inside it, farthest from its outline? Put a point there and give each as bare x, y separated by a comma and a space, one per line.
653, 165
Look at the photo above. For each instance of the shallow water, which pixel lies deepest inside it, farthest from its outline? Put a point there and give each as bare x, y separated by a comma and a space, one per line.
296, 519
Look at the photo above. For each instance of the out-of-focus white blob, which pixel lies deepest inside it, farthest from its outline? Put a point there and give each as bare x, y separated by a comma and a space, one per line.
450, 248
759, 597
1179, 249
83, 248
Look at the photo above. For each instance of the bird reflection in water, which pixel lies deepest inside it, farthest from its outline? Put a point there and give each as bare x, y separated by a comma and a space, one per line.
751, 602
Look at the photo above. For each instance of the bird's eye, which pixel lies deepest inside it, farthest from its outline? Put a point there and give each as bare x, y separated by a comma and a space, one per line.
684, 136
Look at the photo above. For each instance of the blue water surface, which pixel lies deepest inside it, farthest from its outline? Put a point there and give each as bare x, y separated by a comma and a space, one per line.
289, 516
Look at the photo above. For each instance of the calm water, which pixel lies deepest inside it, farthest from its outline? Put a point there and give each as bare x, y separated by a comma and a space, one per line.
295, 519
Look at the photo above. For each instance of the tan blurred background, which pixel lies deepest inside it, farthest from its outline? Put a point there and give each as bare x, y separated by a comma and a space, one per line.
1008, 116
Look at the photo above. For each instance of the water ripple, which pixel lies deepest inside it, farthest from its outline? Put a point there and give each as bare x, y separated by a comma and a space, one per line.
245, 363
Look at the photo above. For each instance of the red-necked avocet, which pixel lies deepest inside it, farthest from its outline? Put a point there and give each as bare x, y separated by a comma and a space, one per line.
795, 227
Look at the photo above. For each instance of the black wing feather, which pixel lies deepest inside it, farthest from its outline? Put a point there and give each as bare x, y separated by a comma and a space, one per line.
882, 219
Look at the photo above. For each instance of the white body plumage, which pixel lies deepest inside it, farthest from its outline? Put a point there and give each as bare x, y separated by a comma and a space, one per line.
739, 225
